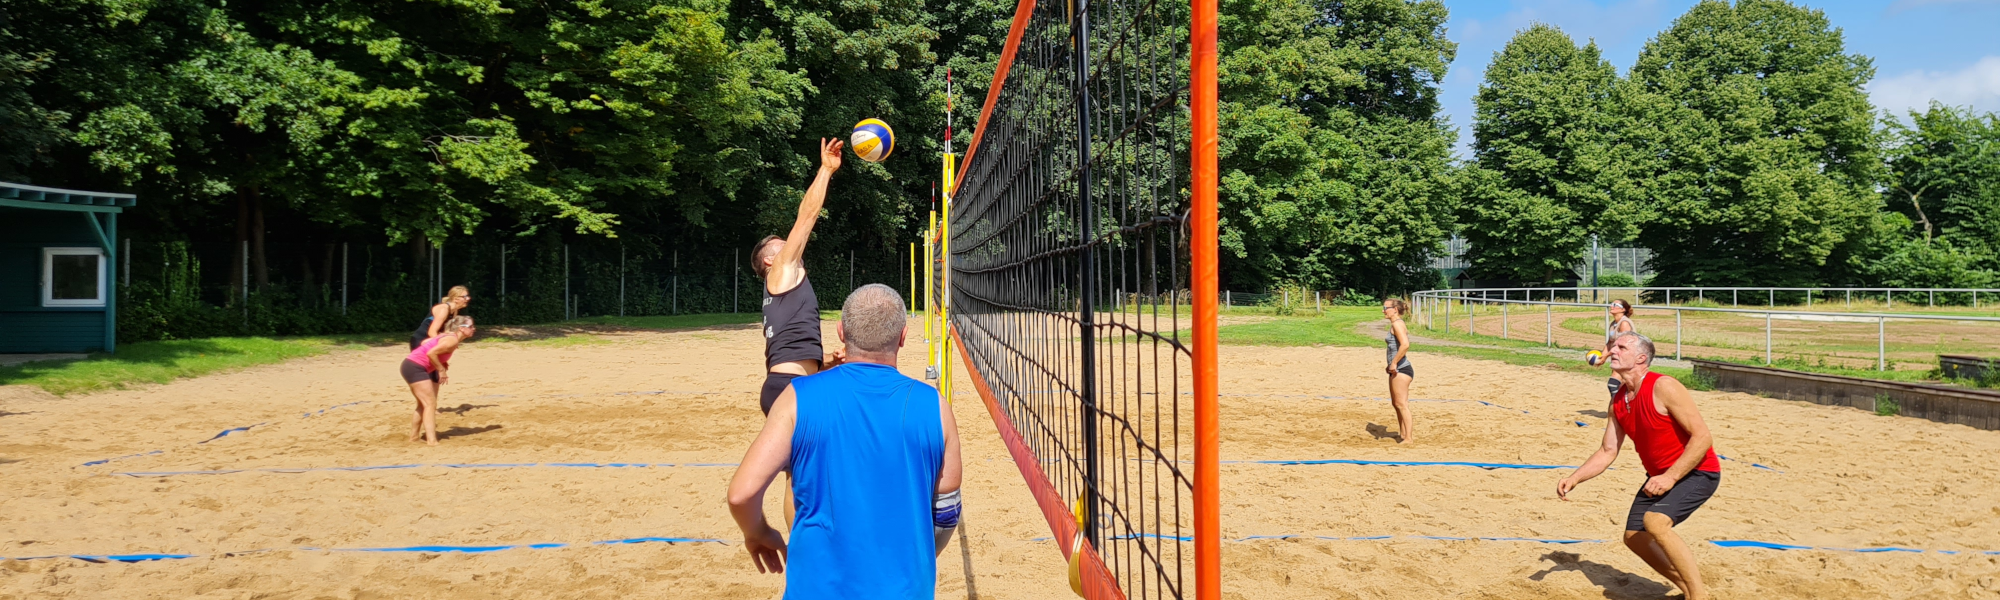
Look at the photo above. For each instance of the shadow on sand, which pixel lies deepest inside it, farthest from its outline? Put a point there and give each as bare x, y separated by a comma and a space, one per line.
465, 431
1617, 584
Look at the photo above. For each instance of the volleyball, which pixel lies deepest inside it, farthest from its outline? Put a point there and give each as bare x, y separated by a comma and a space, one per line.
1594, 357
872, 140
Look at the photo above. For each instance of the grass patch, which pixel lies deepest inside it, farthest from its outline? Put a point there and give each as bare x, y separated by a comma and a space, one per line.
1334, 328
567, 341
1337, 328
1886, 406
164, 361
673, 321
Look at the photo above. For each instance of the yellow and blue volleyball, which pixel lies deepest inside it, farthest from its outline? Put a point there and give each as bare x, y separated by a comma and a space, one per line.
872, 140
1594, 357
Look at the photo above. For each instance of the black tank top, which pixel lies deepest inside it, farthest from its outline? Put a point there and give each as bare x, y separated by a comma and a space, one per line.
791, 325
423, 329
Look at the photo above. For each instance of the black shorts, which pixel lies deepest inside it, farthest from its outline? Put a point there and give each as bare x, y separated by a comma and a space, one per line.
1687, 495
1408, 369
1613, 384
774, 385
413, 372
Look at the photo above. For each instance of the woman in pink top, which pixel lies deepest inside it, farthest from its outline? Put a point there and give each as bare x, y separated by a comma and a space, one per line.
424, 369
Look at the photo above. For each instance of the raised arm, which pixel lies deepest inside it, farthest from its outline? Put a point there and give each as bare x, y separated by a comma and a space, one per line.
795, 242
1680, 407
1614, 438
769, 454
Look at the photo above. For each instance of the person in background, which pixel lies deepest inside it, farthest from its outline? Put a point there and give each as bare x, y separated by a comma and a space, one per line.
447, 307
1401, 373
425, 370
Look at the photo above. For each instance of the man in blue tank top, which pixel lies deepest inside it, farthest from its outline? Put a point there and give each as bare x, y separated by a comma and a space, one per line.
875, 469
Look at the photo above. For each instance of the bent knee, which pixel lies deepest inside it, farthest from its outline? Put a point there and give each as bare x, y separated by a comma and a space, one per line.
1658, 522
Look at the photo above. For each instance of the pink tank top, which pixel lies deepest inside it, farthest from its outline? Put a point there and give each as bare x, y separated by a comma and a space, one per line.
422, 355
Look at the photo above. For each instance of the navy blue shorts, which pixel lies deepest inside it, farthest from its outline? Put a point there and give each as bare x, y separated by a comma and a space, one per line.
1687, 495
774, 386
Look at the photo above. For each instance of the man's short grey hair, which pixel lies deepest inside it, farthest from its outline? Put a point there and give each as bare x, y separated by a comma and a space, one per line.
873, 317
1644, 343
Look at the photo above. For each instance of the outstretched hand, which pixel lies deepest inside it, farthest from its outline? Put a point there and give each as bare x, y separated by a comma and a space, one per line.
829, 153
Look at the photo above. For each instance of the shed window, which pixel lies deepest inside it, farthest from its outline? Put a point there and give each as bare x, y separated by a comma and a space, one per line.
72, 277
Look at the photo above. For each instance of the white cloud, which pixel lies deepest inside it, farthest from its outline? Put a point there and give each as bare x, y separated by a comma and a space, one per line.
1977, 86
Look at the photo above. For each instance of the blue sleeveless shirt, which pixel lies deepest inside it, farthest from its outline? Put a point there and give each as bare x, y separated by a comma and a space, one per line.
866, 454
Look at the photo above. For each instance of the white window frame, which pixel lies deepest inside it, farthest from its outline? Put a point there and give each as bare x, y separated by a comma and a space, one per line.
49, 273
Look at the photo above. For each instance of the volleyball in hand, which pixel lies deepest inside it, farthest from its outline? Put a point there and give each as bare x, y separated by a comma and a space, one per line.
872, 140
1594, 357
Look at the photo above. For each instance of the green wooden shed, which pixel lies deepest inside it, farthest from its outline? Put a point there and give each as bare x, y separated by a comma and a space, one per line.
57, 285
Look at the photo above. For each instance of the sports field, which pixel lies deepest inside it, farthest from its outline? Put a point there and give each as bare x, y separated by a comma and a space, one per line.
527, 425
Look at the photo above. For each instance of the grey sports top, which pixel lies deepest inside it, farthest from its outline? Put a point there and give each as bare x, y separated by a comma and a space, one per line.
1393, 347
1611, 331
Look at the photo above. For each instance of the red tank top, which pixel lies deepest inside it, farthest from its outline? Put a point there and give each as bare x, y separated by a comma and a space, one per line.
1659, 440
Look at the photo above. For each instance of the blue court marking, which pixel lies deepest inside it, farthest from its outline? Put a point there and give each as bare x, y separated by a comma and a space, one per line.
99, 462
664, 540
430, 549
1869, 550
1446, 538
422, 466
323, 410
228, 432
1397, 463
1744, 461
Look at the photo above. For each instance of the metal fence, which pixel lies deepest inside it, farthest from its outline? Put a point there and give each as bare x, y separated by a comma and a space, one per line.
1821, 333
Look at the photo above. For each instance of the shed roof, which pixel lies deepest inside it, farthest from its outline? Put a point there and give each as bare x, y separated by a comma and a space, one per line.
26, 196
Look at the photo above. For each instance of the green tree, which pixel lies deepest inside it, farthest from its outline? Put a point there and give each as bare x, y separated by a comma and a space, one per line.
1335, 167
1944, 174
1757, 144
1550, 165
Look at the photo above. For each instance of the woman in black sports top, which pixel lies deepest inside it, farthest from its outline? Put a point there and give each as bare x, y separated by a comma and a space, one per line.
791, 311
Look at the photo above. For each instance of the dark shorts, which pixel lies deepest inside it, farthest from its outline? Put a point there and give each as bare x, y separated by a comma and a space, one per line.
1612, 384
416, 339
1689, 494
774, 385
413, 372
1408, 369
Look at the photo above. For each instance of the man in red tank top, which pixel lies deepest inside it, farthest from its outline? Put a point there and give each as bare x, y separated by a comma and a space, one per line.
1674, 445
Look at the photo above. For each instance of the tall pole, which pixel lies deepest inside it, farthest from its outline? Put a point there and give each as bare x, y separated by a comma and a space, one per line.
1087, 274
1202, 163
677, 282
1596, 259
621, 280
567, 299
343, 278
736, 281
125, 256
503, 276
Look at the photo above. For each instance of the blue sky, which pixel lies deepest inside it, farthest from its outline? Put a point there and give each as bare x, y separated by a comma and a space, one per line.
1948, 50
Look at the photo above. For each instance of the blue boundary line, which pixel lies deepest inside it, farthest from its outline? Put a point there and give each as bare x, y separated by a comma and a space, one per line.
1396, 463
1445, 538
424, 466
430, 549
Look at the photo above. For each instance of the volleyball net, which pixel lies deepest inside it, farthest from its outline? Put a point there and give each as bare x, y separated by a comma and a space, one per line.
1079, 264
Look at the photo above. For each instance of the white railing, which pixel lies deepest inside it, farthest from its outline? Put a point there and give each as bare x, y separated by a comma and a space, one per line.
1431, 304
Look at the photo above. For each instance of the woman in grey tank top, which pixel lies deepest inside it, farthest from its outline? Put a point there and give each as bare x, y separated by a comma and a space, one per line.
1620, 321
1398, 367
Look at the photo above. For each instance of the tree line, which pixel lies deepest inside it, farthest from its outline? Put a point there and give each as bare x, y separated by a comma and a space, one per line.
1740, 147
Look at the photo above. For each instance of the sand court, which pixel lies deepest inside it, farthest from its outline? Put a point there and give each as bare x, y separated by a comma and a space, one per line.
630, 437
